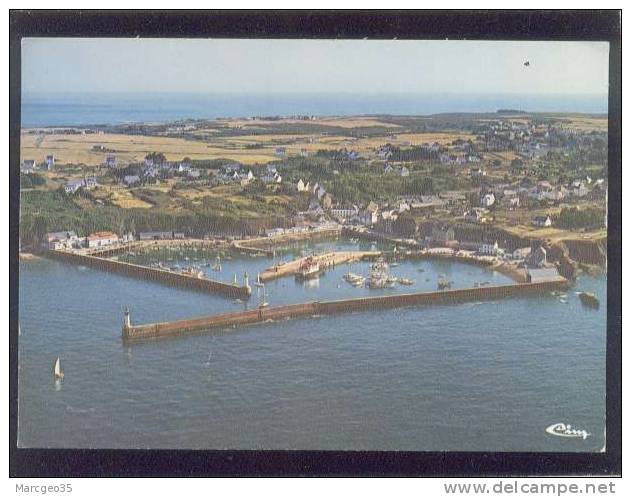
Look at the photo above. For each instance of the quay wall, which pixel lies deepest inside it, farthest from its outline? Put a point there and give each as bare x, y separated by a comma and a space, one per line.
153, 274
309, 309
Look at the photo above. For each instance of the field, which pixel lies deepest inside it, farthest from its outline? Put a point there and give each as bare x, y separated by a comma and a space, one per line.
253, 149
78, 149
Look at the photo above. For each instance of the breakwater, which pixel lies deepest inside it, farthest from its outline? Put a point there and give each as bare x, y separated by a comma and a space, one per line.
153, 274
309, 309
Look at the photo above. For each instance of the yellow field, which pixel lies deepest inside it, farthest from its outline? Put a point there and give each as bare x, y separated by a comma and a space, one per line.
586, 123
77, 149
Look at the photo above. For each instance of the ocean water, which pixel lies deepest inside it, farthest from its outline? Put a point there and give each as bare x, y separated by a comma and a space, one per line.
477, 376
76, 109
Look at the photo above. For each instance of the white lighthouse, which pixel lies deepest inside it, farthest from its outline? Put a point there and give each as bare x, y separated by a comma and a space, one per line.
246, 283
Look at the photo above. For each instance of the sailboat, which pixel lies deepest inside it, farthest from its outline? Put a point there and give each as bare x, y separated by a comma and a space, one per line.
57, 371
258, 282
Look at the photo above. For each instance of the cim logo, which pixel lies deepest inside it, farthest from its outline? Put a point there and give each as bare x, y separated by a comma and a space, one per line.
566, 431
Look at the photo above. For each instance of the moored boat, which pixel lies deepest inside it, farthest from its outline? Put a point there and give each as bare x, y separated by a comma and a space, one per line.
308, 269
589, 300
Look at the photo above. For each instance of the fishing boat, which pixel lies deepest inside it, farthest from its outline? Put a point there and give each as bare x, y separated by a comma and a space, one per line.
189, 271
406, 281
589, 300
354, 279
379, 277
57, 371
308, 269
443, 284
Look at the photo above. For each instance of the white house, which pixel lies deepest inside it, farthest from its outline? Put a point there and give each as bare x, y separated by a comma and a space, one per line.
488, 248
73, 186
27, 166
101, 239
542, 221
487, 200
131, 179
57, 240
50, 162
476, 172
405, 172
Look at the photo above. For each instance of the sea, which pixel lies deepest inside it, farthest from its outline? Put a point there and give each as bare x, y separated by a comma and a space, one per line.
486, 376
82, 109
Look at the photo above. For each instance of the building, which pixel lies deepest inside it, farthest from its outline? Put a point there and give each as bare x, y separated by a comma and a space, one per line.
537, 258
475, 216
487, 200
280, 152
488, 248
367, 217
405, 172
27, 166
59, 240
72, 186
101, 239
326, 201
542, 221
110, 161
343, 214
443, 234
155, 235
50, 162
131, 179
300, 186
539, 275
272, 177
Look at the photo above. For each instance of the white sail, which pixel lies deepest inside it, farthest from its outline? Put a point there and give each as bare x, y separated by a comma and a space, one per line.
57, 369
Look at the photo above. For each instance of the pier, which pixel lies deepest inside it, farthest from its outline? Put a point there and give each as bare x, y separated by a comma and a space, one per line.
326, 260
310, 309
154, 274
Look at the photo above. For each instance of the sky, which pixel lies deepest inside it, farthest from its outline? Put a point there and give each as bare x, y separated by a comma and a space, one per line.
64, 65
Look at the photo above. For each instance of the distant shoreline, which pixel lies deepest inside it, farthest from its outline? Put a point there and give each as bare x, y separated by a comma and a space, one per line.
55, 110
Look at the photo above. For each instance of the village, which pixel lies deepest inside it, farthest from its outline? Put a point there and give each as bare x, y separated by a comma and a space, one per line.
494, 185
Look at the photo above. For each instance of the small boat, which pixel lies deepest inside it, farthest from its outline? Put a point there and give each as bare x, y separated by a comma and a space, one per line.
443, 284
57, 371
217, 265
394, 264
189, 271
308, 269
589, 300
237, 301
406, 281
258, 282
